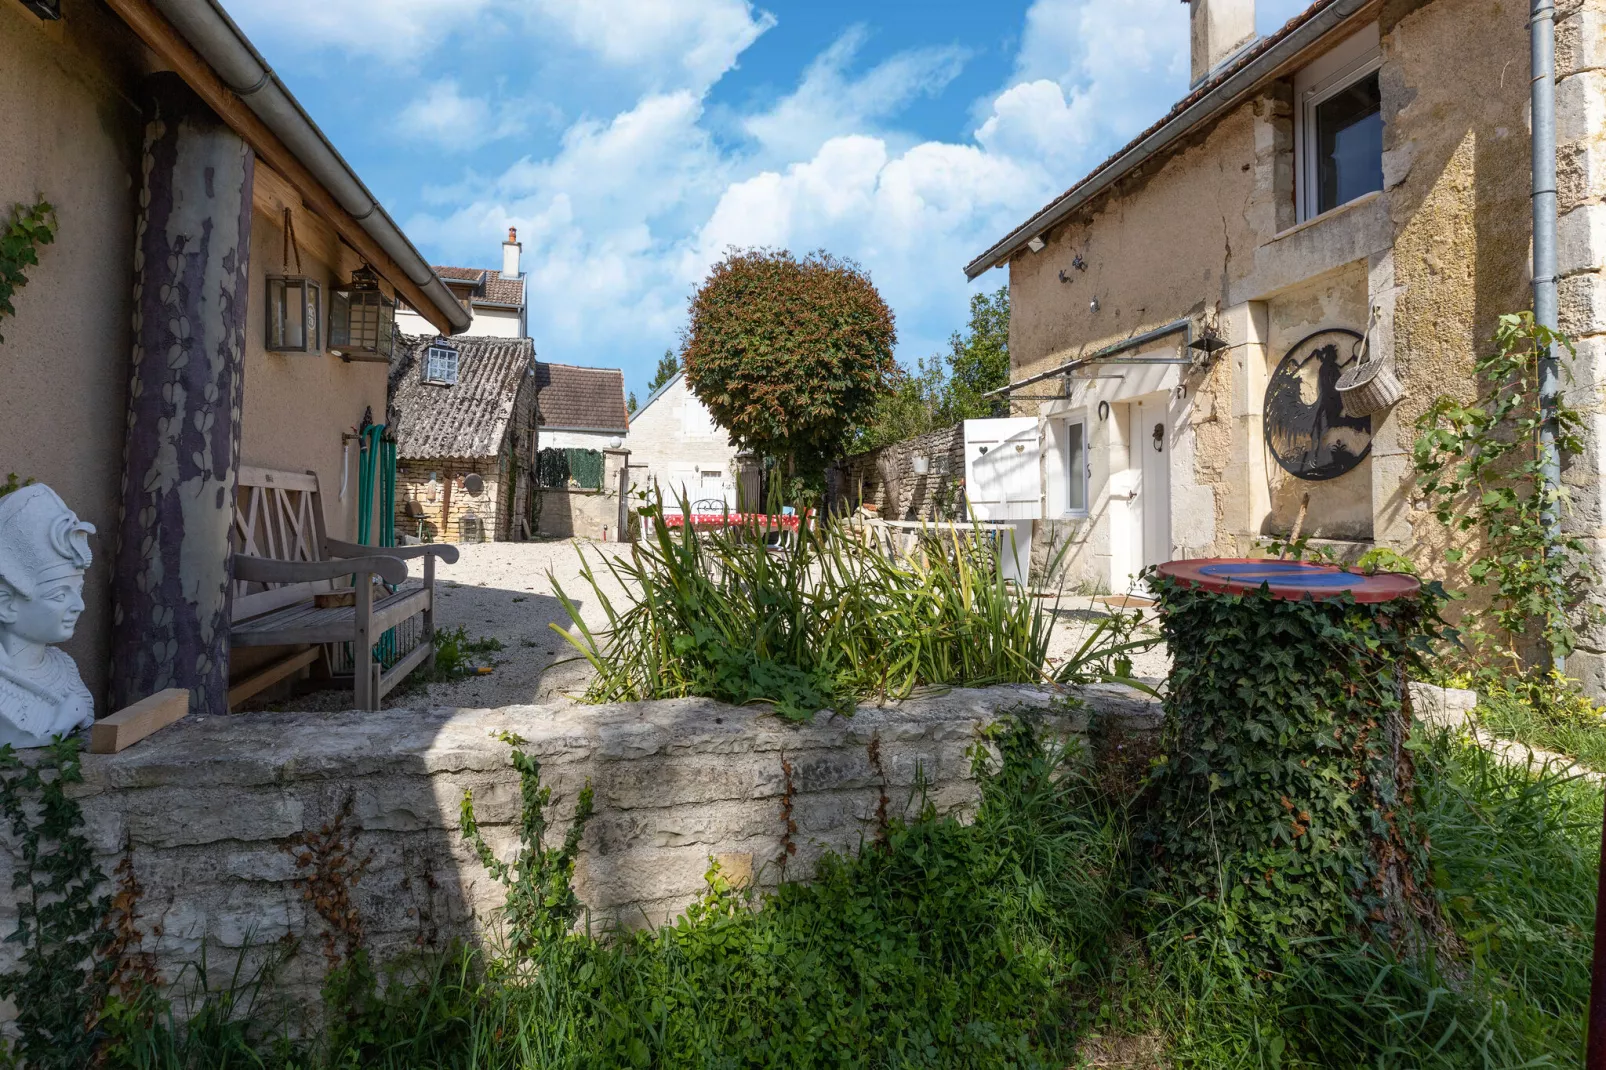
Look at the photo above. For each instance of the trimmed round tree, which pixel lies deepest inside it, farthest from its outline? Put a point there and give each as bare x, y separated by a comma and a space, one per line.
787, 354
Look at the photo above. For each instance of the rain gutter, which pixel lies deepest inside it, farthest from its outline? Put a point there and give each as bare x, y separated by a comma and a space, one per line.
209, 30
1218, 100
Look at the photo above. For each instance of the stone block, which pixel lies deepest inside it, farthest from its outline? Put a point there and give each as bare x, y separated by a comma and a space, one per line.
1581, 40
1581, 106
1448, 707
1583, 304
1581, 239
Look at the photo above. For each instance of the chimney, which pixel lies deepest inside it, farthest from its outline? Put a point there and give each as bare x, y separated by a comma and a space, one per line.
1220, 29
510, 255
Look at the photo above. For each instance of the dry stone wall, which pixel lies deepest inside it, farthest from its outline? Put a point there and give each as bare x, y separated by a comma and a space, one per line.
211, 810
887, 477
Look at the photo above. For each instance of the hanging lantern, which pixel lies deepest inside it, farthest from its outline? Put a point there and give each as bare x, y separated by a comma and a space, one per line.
294, 303
362, 320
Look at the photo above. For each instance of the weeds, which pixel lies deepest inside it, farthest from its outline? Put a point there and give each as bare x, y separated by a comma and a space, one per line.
457, 656
1009, 942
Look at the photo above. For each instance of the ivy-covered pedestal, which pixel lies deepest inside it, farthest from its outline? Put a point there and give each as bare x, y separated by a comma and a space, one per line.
1282, 802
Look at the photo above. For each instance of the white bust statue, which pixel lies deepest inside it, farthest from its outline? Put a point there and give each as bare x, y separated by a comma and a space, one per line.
44, 550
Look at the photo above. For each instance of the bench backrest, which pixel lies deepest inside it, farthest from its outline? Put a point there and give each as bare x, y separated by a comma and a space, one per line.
277, 515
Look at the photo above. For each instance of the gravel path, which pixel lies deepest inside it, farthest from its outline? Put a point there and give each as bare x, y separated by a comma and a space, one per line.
503, 591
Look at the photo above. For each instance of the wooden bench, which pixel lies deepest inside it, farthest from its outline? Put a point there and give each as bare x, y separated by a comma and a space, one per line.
283, 559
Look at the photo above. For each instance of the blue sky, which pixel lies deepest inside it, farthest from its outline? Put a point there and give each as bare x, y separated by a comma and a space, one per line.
632, 141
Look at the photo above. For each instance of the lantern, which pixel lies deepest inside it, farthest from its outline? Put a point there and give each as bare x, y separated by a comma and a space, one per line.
294, 313
362, 320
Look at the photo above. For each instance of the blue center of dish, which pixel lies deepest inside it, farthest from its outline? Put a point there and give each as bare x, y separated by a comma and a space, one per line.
1280, 574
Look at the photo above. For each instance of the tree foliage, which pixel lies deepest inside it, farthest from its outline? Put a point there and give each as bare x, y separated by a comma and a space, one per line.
788, 354
668, 366
946, 388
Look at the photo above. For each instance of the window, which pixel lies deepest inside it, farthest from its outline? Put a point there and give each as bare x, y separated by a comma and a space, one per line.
440, 365
1339, 126
1076, 467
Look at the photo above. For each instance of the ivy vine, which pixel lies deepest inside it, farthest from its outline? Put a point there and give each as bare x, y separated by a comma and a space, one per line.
62, 975
1478, 466
1282, 798
30, 227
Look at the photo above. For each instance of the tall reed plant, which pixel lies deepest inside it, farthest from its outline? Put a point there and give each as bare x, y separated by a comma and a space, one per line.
820, 624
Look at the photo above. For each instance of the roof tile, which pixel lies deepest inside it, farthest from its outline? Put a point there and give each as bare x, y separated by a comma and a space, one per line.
467, 420
581, 399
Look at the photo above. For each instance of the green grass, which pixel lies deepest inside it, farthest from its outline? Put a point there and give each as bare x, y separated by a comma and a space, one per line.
1546, 716
1007, 942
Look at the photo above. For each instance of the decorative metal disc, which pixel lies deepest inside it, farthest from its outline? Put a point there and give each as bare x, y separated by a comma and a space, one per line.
1306, 429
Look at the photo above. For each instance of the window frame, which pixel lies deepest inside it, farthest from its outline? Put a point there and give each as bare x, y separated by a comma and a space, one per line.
1077, 419
1357, 57
429, 366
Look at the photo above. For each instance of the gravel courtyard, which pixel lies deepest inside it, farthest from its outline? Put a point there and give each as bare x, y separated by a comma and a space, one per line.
504, 591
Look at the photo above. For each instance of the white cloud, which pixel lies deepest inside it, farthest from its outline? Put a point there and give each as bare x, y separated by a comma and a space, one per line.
674, 43
394, 30
829, 103
1088, 74
623, 218
444, 116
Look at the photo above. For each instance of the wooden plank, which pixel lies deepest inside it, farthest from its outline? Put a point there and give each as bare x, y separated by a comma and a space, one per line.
128, 726
265, 679
253, 476
154, 29
393, 611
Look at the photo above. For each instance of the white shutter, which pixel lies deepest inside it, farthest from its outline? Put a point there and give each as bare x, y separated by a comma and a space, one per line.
1003, 473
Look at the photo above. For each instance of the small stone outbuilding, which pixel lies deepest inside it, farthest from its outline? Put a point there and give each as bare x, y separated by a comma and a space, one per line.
463, 410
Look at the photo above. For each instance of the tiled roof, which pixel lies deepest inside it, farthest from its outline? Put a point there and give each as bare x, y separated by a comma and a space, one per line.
581, 399
488, 285
464, 421
1246, 58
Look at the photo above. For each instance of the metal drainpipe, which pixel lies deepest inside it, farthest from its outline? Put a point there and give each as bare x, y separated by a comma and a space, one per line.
1542, 39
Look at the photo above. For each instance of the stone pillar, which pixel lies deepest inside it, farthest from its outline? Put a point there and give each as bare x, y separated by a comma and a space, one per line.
181, 457
1581, 266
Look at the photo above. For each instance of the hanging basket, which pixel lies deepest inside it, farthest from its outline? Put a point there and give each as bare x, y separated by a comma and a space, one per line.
1369, 385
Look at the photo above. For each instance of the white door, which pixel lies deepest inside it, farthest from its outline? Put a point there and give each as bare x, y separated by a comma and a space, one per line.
1151, 441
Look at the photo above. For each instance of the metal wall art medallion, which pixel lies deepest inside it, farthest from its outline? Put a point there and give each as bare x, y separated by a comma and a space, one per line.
1306, 429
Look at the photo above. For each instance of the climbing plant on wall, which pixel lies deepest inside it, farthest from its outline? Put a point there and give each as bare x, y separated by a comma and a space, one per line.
30, 226
1478, 465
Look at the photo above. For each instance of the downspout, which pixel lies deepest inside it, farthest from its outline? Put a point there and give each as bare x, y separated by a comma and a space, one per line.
1542, 40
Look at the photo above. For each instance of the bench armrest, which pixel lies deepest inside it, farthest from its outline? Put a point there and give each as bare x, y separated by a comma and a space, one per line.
443, 550
392, 570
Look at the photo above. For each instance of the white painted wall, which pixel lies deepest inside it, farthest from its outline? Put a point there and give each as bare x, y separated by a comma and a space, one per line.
675, 443
580, 440
487, 323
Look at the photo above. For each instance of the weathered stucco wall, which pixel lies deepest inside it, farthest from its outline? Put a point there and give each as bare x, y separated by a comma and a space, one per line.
1209, 231
71, 133
210, 809
297, 405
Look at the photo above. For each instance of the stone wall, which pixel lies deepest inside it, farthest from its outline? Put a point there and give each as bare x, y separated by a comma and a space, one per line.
886, 477
210, 809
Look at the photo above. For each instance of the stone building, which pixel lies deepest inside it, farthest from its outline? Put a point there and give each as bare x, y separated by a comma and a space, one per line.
144, 369
496, 299
921, 478
463, 413
1357, 183
678, 449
